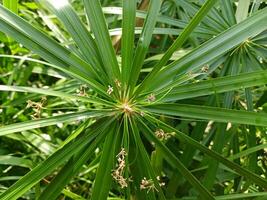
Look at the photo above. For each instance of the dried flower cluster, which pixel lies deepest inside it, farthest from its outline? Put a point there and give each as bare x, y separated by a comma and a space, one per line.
205, 68
110, 90
162, 135
37, 107
127, 108
118, 83
149, 184
161, 184
117, 174
82, 91
151, 97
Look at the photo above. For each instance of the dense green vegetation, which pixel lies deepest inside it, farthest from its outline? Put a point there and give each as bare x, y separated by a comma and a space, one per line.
127, 99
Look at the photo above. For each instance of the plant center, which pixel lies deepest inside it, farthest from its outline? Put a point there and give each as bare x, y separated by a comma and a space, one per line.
127, 108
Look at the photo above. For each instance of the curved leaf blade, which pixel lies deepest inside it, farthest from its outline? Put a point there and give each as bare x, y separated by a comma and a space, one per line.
103, 176
187, 139
210, 113
44, 46
78, 31
212, 49
103, 41
217, 85
128, 33
54, 93
46, 167
204, 10
38, 123
176, 163
144, 41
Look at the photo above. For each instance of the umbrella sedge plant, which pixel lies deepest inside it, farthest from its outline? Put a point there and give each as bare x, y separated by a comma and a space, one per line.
169, 131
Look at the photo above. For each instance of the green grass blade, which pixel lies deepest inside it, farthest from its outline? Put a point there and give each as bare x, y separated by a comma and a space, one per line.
38, 123
213, 165
228, 11
39, 69
10, 21
13, 6
163, 19
248, 151
78, 31
212, 49
244, 196
144, 41
15, 161
176, 163
127, 46
47, 48
260, 195
179, 41
138, 168
73, 166
45, 168
156, 31
146, 163
49, 92
219, 137
99, 28
210, 113
212, 21
217, 85
103, 178
72, 195
126, 146
238, 169
242, 10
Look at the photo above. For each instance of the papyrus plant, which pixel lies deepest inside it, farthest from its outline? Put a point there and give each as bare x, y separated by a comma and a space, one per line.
135, 117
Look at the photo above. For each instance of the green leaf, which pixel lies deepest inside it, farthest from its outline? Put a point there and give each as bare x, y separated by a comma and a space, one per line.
46, 167
176, 163
210, 113
212, 49
127, 45
99, 28
144, 41
103, 178
13, 6
217, 85
38, 123
78, 31
162, 19
72, 195
213, 21
138, 31
41, 43
49, 92
188, 140
248, 151
72, 167
47, 48
15, 161
243, 196
228, 11
39, 69
126, 146
179, 41
145, 161
242, 10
